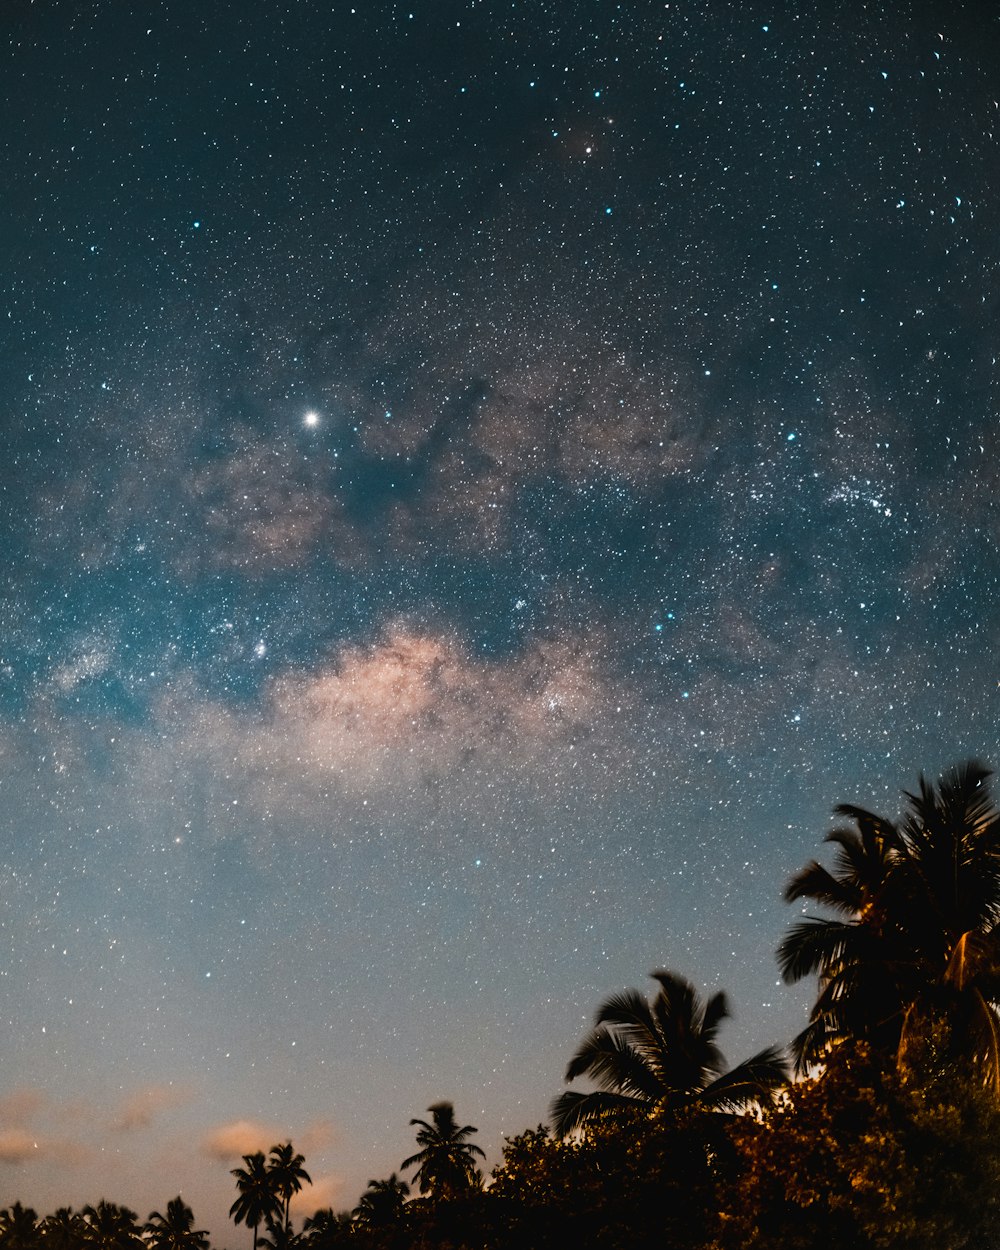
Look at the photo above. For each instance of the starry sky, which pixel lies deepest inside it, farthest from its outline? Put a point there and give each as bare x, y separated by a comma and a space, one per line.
480, 480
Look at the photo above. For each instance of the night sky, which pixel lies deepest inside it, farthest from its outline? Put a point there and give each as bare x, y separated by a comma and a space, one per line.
480, 480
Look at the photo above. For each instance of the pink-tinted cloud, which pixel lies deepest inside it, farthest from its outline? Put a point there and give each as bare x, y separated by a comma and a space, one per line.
239, 1137
17, 1145
20, 1146
232, 1140
140, 1108
325, 1191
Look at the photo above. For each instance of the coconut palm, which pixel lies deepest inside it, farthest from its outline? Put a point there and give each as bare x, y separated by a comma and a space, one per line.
279, 1234
175, 1230
382, 1203
659, 1056
913, 949
859, 952
445, 1166
327, 1228
257, 1200
62, 1230
18, 1228
286, 1174
109, 1226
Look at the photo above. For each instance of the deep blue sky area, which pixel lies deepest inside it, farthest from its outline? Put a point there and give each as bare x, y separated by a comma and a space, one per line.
479, 481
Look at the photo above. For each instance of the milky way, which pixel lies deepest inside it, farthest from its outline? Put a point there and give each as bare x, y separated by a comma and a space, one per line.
480, 481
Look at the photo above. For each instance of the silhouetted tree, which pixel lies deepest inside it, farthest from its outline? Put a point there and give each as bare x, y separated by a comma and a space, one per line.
327, 1229
18, 1228
445, 1164
862, 1157
659, 1056
175, 1230
109, 1226
62, 1230
257, 1201
914, 942
286, 1174
382, 1203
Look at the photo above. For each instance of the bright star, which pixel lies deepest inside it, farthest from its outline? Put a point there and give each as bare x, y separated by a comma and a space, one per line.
311, 419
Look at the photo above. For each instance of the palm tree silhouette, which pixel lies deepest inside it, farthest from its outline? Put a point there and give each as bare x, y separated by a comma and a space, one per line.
257, 1199
913, 950
175, 1230
382, 1203
859, 954
109, 1226
62, 1230
445, 1165
286, 1175
327, 1228
18, 1228
661, 1055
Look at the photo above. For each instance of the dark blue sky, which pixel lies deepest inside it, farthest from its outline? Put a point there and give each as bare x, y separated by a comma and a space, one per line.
480, 481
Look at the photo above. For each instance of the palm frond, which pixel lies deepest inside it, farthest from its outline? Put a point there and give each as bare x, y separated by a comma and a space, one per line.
755, 1081
812, 945
818, 884
614, 1063
716, 1010
571, 1110
630, 1012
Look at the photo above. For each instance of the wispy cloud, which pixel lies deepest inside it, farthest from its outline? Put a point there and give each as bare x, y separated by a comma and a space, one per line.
139, 1109
235, 1138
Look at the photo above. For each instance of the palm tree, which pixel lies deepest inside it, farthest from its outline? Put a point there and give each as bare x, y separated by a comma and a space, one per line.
175, 1230
18, 1228
279, 1234
382, 1203
858, 952
257, 1199
109, 1226
445, 1165
63, 1230
661, 1056
327, 1228
913, 950
286, 1174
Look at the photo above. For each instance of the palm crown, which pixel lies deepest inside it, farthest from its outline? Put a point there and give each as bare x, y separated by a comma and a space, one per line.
286, 1174
108, 1226
175, 1230
446, 1165
257, 1200
661, 1055
382, 1203
914, 944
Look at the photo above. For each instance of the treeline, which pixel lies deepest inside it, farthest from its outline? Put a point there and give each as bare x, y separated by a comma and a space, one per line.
885, 1133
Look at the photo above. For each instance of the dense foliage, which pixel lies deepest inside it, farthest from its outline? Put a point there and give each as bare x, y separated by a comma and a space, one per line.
888, 1140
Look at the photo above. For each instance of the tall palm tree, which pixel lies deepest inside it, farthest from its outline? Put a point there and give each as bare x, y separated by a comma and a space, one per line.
913, 948
175, 1230
257, 1200
109, 1226
445, 1166
286, 1173
18, 1228
859, 952
661, 1055
382, 1203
